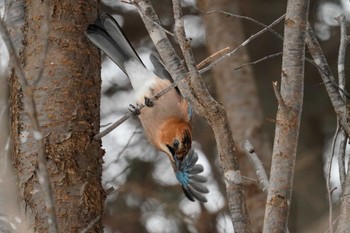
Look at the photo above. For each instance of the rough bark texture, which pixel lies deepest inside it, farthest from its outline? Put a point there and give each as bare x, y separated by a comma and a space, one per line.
67, 100
343, 225
290, 102
237, 91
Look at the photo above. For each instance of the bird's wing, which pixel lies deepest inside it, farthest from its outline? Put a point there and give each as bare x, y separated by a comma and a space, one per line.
159, 67
193, 185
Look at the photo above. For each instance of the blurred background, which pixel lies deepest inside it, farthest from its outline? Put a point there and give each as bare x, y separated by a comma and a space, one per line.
146, 196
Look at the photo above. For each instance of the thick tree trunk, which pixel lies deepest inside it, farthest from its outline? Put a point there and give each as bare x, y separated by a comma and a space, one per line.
67, 101
236, 89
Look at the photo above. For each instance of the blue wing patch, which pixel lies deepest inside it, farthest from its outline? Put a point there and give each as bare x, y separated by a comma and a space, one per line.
187, 174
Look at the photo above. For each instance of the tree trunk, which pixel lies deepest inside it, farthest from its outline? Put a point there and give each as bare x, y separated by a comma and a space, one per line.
236, 89
343, 225
67, 99
290, 102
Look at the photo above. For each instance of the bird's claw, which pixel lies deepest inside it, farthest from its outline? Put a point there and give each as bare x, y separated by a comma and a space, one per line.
148, 102
134, 110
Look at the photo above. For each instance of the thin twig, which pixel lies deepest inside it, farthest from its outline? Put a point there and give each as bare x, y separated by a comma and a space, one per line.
212, 57
131, 2
245, 18
257, 164
130, 114
247, 41
124, 147
91, 224
259, 60
113, 126
28, 91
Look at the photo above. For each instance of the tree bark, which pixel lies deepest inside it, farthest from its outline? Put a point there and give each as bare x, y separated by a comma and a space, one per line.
67, 99
237, 91
343, 225
290, 102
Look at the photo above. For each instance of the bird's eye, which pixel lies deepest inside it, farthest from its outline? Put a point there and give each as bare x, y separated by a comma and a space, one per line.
176, 144
172, 151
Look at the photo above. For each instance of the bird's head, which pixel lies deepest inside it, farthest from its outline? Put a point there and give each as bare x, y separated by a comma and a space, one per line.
175, 139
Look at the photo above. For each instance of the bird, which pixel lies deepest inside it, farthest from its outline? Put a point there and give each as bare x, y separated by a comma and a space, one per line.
167, 122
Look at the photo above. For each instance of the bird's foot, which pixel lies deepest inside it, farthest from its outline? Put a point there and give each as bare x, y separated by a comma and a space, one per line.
134, 110
148, 102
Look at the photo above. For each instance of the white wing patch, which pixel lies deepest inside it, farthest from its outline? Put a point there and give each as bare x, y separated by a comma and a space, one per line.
141, 78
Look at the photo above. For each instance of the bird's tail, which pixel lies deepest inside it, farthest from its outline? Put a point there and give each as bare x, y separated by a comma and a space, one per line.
107, 35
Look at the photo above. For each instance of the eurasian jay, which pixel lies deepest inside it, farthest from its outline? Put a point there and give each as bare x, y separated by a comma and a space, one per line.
167, 121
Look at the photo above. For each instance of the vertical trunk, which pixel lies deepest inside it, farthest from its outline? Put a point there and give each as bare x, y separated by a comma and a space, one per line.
290, 102
67, 101
343, 225
236, 89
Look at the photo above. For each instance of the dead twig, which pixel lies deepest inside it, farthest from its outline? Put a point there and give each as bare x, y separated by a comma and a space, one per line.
247, 41
257, 164
259, 60
245, 18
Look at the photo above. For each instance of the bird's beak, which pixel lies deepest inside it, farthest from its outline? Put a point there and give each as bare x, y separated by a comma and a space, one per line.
177, 161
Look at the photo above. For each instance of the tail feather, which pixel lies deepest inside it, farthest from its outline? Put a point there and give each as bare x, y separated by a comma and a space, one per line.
107, 35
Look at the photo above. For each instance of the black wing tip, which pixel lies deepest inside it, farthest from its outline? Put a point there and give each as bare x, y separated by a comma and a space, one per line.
188, 194
93, 28
196, 169
193, 195
198, 178
199, 187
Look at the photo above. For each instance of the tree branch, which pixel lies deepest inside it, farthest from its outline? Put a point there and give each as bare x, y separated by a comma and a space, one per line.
343, 225
155, 97
332, 88
259, 168
247, 41
196, 93
341, 80
245, 18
